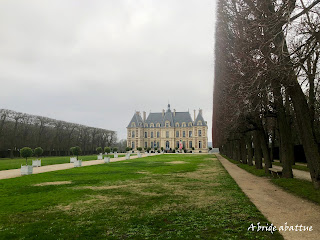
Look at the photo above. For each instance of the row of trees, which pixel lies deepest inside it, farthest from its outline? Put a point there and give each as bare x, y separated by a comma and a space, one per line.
55, 137
266, 89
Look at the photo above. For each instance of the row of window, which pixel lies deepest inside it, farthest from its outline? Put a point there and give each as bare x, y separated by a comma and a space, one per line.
167, 134
157, 144
167, 124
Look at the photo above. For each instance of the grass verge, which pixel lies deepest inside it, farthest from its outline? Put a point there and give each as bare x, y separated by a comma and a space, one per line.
299, 187
250, 169
163, 197
15, 163
298, 167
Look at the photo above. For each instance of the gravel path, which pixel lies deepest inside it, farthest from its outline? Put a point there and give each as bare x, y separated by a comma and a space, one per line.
12, 173
277, 205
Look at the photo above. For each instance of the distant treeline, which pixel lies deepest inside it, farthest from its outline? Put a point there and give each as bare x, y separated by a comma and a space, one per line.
18, 130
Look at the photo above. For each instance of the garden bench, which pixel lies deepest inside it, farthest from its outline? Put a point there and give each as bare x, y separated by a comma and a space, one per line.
275, 172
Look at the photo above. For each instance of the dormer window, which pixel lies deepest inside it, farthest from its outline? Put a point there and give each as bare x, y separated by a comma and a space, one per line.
199, 123
167, 124
183, 124
145, 125
190, 124
177, 124
133, 124
151, 125
158, 124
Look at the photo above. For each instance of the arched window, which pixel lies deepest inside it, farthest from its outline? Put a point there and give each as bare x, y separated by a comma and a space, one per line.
190, 124
151, 125
183, 124
177, 124
167, 145
146, 125
158, 124
199, 123
133, 124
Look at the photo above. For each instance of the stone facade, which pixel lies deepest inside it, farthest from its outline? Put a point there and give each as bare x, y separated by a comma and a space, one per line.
167, 129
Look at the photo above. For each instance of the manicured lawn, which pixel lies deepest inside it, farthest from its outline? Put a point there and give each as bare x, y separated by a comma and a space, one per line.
7, 163
159, 197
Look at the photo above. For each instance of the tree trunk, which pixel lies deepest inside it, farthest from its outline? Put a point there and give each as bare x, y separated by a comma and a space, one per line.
265, 150
250, 150
238, 148
286, 145
302, 111
257, 150
306, 132
243, 151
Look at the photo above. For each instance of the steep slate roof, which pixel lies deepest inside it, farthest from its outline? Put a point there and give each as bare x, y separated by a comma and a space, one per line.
199, 118
168, 116
154, 118
136, 119
182, 117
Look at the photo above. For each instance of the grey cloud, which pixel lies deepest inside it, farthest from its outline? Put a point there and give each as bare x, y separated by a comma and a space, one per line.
96, 62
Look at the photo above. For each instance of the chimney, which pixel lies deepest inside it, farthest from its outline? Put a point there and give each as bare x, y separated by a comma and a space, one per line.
144, 116
200, 112
174, 112
194, 111
138, 113
162, 112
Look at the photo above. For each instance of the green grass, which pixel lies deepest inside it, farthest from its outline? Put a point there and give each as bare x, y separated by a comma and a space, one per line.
7, 163
298, 167
299, 187
250, 169
146, 198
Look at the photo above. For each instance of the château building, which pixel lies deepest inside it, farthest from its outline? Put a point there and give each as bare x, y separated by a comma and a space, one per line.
168, 129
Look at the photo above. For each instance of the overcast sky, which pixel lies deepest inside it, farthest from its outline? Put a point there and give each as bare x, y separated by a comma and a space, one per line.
96, 62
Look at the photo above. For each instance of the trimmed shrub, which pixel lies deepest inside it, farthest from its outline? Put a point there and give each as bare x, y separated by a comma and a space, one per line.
38, 151
76, 151
99, 150
107, 150
25, 153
